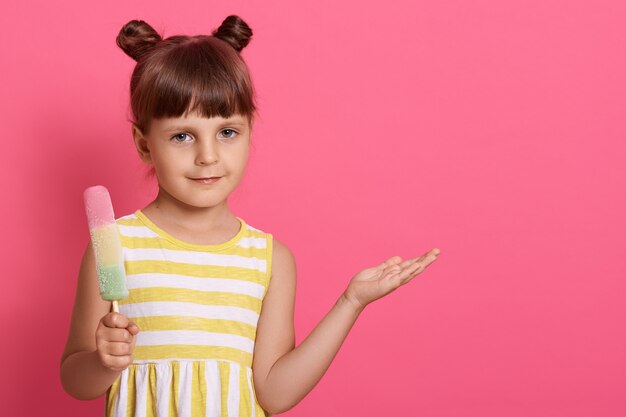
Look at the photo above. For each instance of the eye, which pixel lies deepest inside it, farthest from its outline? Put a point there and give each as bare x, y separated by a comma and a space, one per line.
232, 135
180, 137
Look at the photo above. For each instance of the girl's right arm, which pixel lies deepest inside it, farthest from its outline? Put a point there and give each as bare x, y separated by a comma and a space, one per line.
100, 344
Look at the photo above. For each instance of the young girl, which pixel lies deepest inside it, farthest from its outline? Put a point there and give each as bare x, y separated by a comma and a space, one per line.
207, 328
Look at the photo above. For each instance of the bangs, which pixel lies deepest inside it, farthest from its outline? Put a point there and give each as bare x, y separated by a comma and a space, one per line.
200, 77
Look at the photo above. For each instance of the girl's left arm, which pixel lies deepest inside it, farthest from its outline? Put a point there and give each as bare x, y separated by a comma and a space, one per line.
284, 375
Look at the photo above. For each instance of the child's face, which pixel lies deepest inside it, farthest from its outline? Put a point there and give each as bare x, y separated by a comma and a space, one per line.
185, 149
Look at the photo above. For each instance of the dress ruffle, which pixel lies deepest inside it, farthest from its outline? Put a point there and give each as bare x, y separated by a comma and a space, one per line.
184, 388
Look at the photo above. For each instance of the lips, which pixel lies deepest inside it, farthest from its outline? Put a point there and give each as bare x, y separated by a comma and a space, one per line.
206, 180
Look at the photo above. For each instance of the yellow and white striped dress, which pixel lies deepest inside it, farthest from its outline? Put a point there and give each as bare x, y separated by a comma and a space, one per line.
197, 308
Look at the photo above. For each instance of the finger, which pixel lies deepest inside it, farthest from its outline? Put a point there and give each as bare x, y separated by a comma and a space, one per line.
392, 269
395, 270
115, 320
420, 266
409, 263
119, 349
431, 253
397, 278
411, 270
394, 260
119, 362
430, 259
412, 261
133, 328
120, 335
389, 264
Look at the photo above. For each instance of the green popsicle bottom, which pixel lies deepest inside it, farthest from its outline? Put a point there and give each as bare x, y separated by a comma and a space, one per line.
112, 282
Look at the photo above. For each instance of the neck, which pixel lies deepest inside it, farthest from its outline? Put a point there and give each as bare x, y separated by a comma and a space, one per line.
174, 212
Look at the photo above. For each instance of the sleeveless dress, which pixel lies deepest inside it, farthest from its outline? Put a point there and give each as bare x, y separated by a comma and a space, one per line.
197, 308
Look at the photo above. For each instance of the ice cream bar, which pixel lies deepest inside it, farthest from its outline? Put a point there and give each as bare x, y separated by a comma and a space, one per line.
106, 244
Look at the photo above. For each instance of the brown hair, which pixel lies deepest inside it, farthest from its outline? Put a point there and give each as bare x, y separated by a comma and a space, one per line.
183, 74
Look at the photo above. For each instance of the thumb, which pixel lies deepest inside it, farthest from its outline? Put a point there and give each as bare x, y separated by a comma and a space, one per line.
114, 319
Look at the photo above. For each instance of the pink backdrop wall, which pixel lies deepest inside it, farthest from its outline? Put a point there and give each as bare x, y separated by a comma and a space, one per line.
492, 130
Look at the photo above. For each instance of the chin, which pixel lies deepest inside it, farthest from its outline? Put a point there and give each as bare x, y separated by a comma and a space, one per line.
200, 204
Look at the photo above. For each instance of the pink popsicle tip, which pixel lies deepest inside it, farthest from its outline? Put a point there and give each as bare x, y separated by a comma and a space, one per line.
98, 206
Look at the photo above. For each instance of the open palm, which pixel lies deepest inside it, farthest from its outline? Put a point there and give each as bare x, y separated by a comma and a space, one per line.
376, 282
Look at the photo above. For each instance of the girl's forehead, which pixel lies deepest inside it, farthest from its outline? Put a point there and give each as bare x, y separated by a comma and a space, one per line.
195, 120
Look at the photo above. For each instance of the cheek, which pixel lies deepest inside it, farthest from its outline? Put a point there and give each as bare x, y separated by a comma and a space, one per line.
165, 172
238, 160
234, 168
169, 162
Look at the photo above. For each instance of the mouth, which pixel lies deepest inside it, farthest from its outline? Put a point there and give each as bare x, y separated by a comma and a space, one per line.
206, 180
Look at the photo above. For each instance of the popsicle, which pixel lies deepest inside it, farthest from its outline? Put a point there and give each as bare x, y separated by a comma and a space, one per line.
106, 245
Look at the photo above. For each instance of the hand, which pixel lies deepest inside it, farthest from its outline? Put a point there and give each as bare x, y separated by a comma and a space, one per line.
376, 282
115, 341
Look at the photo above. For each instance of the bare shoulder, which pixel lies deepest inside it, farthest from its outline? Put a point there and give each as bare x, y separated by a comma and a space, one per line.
282, 260
282, 284
275, 335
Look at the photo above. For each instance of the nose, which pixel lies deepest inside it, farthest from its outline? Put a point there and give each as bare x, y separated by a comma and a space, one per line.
205, 153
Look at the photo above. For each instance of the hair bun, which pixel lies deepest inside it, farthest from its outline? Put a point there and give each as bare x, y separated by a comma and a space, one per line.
136, 38
234, 31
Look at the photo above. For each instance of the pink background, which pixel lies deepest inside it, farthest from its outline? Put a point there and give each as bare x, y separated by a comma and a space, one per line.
491, 129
